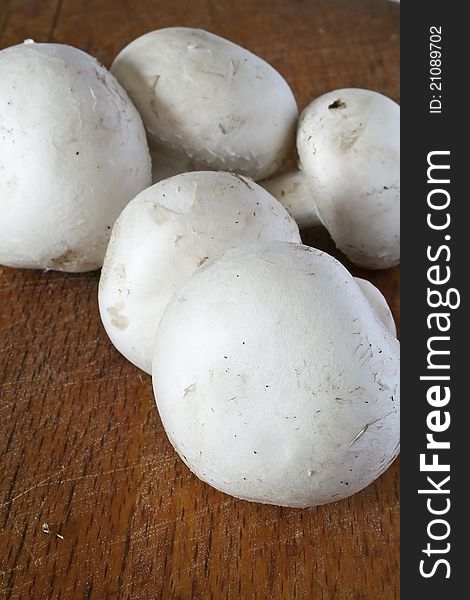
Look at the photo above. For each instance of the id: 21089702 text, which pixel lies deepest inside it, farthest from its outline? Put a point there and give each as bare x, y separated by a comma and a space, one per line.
435, 69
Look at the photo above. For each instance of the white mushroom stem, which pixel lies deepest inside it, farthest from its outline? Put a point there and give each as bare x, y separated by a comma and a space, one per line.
292, 191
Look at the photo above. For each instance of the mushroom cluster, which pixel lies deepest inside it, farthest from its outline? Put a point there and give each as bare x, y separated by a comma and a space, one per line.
275, 371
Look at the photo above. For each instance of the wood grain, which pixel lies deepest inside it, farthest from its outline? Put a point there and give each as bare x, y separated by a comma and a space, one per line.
82, 448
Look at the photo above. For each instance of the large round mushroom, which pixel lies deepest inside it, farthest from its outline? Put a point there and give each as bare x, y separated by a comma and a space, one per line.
275, 379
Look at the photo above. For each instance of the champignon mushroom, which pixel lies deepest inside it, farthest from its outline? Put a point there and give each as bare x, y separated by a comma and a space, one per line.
292, 191
349, 147
274, 379
208, 100
73, 153
378, 304
164, 235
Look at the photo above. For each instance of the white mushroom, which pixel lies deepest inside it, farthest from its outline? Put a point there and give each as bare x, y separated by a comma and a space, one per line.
274, 379
164, 235
72, 154
206, 99
349, 147
378, 303
293, 192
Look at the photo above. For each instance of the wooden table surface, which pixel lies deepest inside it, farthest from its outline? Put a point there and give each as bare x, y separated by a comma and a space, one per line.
82, 448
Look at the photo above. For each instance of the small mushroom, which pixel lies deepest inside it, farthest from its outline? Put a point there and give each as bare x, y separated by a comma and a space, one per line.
348, 142
292, 191
378, 303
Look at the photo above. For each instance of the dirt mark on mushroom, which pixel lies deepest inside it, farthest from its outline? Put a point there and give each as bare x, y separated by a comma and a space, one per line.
119, 320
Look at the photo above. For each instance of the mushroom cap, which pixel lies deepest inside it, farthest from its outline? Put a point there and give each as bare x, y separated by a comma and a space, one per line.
378, 303
164, 235
349, 147
73, 153
275, 380
207, 99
